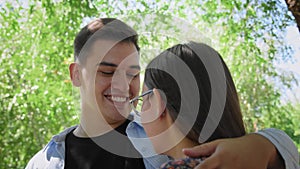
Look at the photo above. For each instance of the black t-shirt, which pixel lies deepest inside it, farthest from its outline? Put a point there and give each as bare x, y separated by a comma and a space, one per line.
84, 153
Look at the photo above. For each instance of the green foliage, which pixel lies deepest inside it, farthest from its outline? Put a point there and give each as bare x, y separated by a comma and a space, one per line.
36, 94
37, 99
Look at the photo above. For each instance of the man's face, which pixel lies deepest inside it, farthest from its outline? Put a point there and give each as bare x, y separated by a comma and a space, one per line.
111, 78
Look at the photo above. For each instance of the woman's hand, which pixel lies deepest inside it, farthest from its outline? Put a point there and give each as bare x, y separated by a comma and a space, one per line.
247, 152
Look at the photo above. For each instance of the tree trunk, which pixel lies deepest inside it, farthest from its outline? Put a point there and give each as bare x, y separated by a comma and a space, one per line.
294, 7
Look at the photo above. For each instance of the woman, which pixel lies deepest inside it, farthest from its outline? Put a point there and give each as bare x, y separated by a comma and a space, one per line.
189, 98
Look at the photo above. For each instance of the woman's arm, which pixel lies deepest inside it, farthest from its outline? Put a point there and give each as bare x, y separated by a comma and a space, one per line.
270, 148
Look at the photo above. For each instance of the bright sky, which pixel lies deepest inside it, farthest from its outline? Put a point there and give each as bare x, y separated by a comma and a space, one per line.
293, 38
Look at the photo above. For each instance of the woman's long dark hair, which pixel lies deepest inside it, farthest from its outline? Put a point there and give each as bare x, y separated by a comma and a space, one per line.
231, 123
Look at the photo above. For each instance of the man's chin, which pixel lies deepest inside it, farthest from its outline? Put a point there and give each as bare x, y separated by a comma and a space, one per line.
117, 119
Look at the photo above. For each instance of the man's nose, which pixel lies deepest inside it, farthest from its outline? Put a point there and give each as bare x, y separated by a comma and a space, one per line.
120, 81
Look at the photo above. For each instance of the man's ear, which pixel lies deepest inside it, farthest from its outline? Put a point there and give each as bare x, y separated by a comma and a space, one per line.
74, 70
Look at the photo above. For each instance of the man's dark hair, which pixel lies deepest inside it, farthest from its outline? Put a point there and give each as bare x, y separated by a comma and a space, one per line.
104, 29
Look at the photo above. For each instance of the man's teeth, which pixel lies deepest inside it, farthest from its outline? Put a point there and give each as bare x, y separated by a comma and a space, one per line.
118, 99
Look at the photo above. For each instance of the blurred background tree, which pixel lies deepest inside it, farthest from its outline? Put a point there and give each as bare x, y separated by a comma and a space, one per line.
37, 99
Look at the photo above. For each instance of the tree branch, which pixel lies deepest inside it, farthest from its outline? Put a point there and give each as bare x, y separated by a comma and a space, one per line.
294, 7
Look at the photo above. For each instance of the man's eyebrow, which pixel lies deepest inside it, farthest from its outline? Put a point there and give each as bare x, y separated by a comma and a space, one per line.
107, 64
114, 65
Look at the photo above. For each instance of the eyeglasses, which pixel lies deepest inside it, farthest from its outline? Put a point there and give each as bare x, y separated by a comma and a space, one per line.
140, 98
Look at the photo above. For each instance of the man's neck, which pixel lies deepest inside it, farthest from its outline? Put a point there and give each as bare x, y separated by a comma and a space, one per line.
93, 125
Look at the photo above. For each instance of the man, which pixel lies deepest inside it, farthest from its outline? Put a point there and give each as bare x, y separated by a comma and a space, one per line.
106, 69
100, 53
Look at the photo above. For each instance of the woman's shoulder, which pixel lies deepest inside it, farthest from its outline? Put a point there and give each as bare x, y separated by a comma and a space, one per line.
184, 163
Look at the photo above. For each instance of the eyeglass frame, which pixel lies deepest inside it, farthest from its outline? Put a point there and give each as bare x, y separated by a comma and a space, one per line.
137, 98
